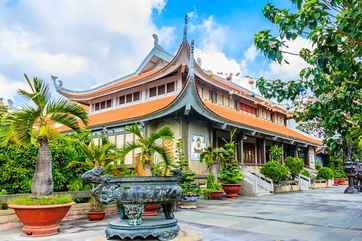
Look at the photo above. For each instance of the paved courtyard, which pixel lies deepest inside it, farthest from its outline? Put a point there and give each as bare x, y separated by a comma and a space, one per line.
318, 215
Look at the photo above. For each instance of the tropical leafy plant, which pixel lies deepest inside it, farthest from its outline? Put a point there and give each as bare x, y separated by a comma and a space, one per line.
148, 146
325, 173
211, 156
276, 153
212, 185
187, 181
275, 171
295, 166
305, 173
104, 155
230, 175
35, 121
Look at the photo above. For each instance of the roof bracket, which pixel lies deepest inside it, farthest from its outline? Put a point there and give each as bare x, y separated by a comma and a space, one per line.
224, 126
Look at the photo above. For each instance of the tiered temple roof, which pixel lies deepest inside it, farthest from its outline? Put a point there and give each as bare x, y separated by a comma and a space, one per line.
159, 64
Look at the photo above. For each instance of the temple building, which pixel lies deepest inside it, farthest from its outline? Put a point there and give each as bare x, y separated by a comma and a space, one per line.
200, 107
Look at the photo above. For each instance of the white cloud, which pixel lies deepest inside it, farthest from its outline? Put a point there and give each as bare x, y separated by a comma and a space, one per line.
84, 44
214, 39
8, 88
296, 64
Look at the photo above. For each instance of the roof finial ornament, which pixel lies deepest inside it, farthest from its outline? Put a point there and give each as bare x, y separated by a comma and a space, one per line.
155, 39
185, 27
191, 61
57, 82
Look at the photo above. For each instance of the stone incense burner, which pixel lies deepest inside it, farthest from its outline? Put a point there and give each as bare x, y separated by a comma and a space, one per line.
131, 194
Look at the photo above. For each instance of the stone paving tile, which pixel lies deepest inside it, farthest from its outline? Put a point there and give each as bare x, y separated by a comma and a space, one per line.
317, 215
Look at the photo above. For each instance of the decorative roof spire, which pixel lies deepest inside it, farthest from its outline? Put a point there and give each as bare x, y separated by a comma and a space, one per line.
191, 60
185, 27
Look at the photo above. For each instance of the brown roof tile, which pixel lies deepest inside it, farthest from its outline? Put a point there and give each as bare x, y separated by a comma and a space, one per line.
253, 122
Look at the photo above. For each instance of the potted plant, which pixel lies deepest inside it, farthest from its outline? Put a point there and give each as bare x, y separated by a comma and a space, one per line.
103, 155
41, 212
325, 173
190, 189
145, 165
213, 190
230, 174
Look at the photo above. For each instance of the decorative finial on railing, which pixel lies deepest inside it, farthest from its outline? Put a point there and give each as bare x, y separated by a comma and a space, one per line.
185, 27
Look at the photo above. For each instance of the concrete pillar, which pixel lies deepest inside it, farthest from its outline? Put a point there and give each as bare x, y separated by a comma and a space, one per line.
263, 152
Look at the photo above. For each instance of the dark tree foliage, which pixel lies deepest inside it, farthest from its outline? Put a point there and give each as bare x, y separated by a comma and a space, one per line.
332, 81
17, 164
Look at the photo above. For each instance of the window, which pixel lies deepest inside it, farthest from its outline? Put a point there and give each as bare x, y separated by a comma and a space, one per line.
121, 100
161, 90
96, 108
171, 87
136, 96
129, 98
109, 103
153, 92
103, 105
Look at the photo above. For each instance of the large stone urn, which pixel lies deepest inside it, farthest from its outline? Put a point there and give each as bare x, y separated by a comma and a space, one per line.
131, 195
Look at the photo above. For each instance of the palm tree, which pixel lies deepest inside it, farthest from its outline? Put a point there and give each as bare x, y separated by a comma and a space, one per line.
36, 122
211, 156
148, 147
104, 155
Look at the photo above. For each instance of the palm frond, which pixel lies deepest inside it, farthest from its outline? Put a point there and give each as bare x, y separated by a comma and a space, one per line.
66, 120
134, 129
63, 106
163, 133
23, 122
167, 160
128, 148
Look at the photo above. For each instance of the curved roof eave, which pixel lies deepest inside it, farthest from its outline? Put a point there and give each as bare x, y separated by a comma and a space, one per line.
157, 51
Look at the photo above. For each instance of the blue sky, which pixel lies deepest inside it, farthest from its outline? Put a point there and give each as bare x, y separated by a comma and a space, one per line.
88, 43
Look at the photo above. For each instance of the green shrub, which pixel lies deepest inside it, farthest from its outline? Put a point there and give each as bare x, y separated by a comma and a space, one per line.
305, 173
325, 173
212, 185
339, 173
44, 200
230, 175
276, 153
295, 166
275, 171
17, 164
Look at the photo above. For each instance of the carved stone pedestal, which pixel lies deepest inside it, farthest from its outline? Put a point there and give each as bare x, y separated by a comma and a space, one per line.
156, 227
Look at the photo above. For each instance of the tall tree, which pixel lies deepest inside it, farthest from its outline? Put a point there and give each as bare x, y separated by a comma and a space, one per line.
35, 122
328, 91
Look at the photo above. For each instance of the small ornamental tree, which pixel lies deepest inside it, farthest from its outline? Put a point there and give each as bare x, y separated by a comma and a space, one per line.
276, 153
328, 91
34, 123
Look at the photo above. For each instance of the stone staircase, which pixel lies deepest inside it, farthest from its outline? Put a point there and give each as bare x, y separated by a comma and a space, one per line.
255, 183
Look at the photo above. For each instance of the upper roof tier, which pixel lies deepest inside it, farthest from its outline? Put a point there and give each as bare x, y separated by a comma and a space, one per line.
157, 64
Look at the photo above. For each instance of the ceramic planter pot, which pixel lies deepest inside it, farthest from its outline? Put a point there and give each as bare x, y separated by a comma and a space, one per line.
340, 181
41, 220
216, 195
151, 209
231, 190
96, 215
189, 201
